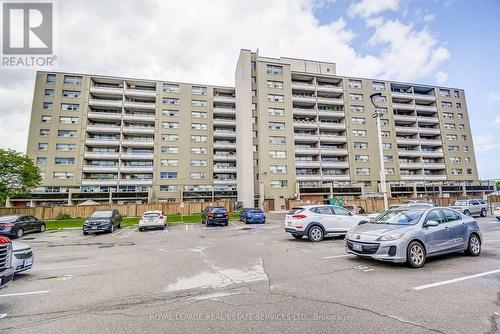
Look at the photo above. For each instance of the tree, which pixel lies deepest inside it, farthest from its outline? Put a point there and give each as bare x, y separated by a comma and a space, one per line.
18, 174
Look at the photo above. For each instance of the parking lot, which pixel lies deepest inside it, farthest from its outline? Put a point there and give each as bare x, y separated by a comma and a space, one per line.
243, 277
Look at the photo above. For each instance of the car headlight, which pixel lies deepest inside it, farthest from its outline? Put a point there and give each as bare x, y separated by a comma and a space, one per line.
391, 237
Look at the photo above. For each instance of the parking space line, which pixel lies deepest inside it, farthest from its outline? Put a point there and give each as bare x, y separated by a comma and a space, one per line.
67, 267
336, 256
129, 233
118, 232
459, 279
25, 293
234, 224
495, 240
186, 225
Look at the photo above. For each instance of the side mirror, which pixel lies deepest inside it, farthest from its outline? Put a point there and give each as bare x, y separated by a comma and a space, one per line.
431, 223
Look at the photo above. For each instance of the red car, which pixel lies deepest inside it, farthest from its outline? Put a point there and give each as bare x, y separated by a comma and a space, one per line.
6, 270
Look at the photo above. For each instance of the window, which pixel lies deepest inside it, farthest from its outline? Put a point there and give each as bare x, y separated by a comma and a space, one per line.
253, 65
451, 137
199, 126
277, 154
378, 85
70, 106
354, 83
168, 187
279, 184
467, 160
48, 105
169, 162
276, 126
41, 160
456, 93
66, 133
340, 211
43, 146
381, 98
274, 84
453, 148
274, 69
455, 160
44, 132
386, 146
444, 92
451, 215
277, 140
72, 79
49, 92
445, 104
64, 161
170, 88
356, 97
456, 171
71, 93
199, 138
168, 175
169, 149
461, 126
169, 100
254, 80
277, 169
170, 113
198, 90
459, 105
199, 114
388, 158
435, 215
449, 126
469, 171
361, 158
360, 145
322, 210
170, 137
170, 125
199, 150
198, 103
63, 175
357, 108
389, 171
199, 175
386, 134
358, 120
359, 133
466, 148
51, 78
199, 163
275, 111
363, 171
274, 98
68, 120
464, 137
460, 116
448, 115
68, 147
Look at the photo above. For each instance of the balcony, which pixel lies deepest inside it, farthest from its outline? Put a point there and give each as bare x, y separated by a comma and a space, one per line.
408, 141
331, 126
331, 113
225, 181
425, 108
330, 100
432, 154
336, 177
225, 146
308, 177
333, 139
303, 85
303, 98
99, 182
137, 143
104, 115
224, 157
412, 177
431, 131
431, 142
403, 106
224, 99
140, 92
139, 118
333, 151
101, 155
410, 165
102, 142
305, 138
224, 122
137, 156
305, 125
133, 182
224, 111
409, 153
413, 96
105, 103
103, 128
304, 112
427, 120
218, 169
100, 169
224, 134
405, 118
434, 165
139, 105
136, 169
106, 90
329, 88
139, 129
435, 177
306, 150
307, 164
334, 164
406, 129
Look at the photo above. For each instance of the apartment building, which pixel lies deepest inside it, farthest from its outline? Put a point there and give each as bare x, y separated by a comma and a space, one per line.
290, 128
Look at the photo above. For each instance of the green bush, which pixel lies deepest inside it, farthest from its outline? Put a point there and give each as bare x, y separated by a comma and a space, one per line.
63, 216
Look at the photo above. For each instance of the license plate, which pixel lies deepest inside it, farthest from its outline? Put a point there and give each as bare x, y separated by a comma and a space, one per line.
28, 262
357, 247
94, 227
289, 223
219, 216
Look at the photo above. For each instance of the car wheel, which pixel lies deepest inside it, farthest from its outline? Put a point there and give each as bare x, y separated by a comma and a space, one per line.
415, 255
467, 212
297, 236
474, 246
315, 234
483, 212
19, 233
112, 228
119, 225
85, 233
225, 224
42, 228
141, 229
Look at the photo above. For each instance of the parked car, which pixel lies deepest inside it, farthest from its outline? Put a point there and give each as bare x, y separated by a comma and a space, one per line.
252, 215
318, 221
215, 215
153, 219
103, 221
22, 257
496, 212
471, 207
412, 234
6, 270
17, 226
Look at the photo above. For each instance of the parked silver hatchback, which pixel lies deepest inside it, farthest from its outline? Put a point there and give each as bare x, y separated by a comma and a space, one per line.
412, 234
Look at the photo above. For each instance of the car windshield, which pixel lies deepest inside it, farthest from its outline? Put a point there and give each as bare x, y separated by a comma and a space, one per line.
399, 217
102, 214
151, 214
256, 211
219, 210
461, 203
7, 219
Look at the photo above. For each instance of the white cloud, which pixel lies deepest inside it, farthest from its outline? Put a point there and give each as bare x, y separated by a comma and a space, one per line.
497, 122
429, 17
441, 77
367, 8
199, 41
494, 96
486, 143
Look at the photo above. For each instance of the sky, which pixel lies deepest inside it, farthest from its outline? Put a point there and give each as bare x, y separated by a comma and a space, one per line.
453, 43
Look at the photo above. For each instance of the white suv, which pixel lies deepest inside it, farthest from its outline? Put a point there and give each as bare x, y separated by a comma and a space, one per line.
318, 221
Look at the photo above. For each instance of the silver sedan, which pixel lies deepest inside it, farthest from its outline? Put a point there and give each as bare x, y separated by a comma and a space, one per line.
412, 234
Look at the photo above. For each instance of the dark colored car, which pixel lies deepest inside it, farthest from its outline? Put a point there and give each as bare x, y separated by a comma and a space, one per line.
17, 226
103, 221
215, 215
252, 215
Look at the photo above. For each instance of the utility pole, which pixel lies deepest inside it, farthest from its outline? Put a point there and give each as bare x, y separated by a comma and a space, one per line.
377, 115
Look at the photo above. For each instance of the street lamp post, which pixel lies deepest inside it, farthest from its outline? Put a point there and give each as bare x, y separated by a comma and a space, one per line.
377, 115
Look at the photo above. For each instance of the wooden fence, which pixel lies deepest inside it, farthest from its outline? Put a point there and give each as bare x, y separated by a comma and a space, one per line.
130, 210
